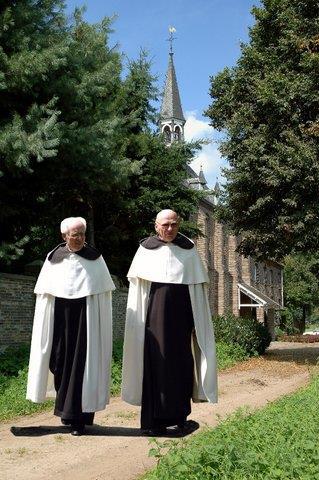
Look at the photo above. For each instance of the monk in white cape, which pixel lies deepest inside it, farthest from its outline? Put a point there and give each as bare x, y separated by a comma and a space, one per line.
71, 347
169, 348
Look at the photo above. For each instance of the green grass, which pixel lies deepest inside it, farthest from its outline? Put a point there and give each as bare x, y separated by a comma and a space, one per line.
13, 382
13, 377
12, 397
279, 442
116, 375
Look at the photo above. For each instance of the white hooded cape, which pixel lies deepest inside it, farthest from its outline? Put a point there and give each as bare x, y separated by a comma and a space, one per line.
168, 264
74, 277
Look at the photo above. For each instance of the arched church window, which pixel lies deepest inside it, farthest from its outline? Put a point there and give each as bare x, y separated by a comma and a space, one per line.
167, 134
177, 133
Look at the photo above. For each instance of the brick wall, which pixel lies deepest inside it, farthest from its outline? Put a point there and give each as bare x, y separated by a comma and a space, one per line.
219, 277
119, 301
226, 268
234, 273
205, 248
268, 279
17, 308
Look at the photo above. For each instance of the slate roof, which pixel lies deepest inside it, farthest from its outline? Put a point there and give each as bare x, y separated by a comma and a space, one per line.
171, 104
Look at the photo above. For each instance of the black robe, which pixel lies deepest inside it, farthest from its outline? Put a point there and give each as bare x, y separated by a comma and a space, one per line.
68, 354
168, 360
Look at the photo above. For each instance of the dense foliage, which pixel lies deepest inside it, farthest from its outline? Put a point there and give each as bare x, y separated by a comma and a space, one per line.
248, 333
76, 137
116, 373
267, 107
278, 442
228, 354
301, 292
13, 359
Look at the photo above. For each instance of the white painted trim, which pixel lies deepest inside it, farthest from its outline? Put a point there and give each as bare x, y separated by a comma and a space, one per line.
249, 293
254, 305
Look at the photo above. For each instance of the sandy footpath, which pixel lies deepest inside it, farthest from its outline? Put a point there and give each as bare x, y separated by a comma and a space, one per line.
113, 449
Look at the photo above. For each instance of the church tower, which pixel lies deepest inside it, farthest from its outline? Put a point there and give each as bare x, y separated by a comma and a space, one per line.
172, 119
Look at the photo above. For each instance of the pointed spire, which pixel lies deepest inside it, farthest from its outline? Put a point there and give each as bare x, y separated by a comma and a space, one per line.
172, 119
217, 191
201, 176
171, 104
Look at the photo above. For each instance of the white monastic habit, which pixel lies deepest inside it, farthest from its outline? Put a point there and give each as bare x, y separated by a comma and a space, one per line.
168, 263
73, 277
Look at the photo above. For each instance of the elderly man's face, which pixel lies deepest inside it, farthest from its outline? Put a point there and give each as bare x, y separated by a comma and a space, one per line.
75, 238
166, 226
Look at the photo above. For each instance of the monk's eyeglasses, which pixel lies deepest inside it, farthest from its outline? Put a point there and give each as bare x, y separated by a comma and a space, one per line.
77, 235
167, 225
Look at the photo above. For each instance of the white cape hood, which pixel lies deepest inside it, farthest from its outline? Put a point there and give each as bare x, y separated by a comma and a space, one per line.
168, 264
74, 277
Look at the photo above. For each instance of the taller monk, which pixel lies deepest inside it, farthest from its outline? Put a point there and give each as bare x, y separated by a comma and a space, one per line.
169, 348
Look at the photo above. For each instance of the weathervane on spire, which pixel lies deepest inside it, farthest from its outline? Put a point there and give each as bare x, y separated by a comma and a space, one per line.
171, 38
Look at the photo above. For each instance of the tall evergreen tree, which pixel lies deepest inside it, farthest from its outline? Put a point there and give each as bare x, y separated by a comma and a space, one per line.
32, 49
90, 165
267, 106
59, 90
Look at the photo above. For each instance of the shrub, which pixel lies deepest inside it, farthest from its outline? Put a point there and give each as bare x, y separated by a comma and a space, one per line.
250, 334
229, 354
14, 359
287, 323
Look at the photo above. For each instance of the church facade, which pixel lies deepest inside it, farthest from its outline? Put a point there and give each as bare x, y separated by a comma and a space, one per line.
238, 284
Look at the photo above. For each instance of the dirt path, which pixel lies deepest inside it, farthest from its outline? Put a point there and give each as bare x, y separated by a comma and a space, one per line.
114, 450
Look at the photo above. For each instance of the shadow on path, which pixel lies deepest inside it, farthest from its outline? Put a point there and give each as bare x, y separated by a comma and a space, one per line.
97, 431
299, 353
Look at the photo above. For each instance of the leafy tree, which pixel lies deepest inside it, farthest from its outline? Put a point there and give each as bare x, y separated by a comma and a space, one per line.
267, 106
301, 286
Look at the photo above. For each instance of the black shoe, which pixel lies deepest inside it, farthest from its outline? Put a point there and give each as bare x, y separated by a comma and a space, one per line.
77, 430
181, 425
155, 432
66, 422
187, 427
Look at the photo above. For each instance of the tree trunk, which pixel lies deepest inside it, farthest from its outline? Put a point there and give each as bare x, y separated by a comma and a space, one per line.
303, 320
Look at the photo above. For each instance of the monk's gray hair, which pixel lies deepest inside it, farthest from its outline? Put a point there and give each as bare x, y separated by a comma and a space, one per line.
68, 223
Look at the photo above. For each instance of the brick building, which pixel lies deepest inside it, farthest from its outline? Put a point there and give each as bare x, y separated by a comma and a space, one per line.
237, 284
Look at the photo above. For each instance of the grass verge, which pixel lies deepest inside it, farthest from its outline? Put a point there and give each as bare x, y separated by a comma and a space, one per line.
13, 382
279, 442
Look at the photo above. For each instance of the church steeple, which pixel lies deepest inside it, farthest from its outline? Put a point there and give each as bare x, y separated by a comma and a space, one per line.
172, 119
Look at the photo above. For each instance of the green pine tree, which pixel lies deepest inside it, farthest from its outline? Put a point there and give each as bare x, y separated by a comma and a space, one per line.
32, 49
